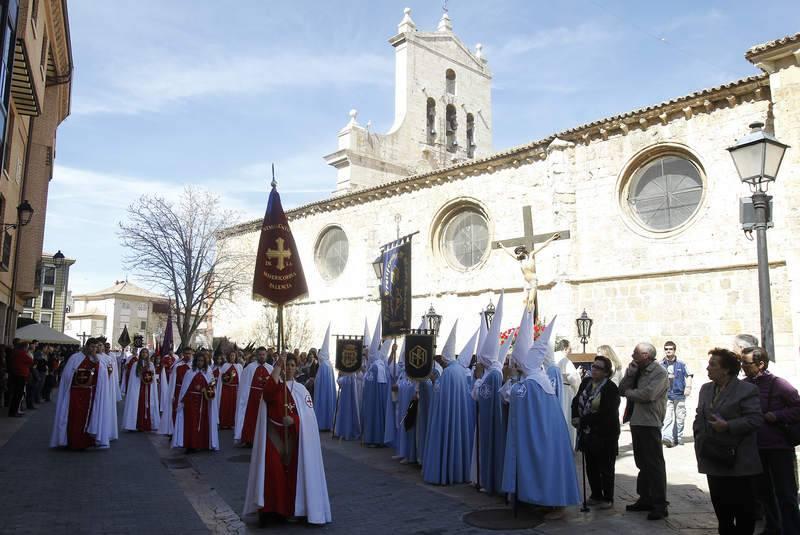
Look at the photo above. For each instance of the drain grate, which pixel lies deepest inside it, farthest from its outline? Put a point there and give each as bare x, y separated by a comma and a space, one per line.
177, 463
503, 519
239, 458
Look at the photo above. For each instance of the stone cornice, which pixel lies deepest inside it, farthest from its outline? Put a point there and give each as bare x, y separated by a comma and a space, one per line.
699, 102
754, 54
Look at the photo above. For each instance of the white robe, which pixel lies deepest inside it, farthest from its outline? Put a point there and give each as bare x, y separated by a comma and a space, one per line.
243, 394
311, 494
213, 421
116, 395
167, 426
99, 424
572, 381
131, 412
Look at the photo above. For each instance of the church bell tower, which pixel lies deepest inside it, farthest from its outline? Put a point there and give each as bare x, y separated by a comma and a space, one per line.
442, 115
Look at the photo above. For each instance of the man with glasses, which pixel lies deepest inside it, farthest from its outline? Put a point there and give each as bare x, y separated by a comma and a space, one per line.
680, 388
645, 385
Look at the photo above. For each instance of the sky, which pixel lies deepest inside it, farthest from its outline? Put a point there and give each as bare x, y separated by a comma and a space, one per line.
174, 92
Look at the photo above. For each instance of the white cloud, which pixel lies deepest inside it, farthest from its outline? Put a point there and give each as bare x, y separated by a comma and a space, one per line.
586, 33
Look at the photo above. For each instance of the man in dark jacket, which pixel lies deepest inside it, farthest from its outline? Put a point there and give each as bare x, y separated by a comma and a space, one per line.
780, 404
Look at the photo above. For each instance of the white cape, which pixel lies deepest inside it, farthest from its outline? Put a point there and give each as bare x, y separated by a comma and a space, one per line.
98, 424
572, 381
243, 394
114, 393
167, 426
131, 412
213, 421
311, 495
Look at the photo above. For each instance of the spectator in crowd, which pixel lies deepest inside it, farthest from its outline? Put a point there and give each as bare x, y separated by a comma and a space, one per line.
595, 413
780, 405
19, 374
619, 369
645, 385
680, 388
725, 442
33, 378
743, 341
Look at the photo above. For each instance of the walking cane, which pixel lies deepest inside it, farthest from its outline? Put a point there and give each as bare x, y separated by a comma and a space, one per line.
585, 508
335, 414
478, 446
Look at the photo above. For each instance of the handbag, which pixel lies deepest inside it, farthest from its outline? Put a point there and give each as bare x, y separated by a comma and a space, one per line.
719, 451
790, 430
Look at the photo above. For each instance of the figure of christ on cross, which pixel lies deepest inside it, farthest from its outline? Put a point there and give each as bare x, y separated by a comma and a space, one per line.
527, 257
279, 253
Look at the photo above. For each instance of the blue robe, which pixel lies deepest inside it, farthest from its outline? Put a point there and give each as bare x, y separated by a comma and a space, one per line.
324, 396
492, 432
554, 374
373, 406
406, 441
448, 446
348, 425
423, 416
538, 465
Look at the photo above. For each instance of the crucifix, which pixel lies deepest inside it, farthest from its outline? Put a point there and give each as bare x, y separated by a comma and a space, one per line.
527, 257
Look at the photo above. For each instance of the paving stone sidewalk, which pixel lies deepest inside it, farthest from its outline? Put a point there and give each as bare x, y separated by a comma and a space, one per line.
128, 489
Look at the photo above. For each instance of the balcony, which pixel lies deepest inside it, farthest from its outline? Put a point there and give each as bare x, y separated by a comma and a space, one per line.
22, 86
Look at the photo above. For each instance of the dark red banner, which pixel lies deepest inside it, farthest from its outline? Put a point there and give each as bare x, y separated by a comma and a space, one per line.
278, 276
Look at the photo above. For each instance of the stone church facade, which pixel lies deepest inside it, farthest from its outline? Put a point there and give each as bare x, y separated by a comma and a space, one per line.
650, 199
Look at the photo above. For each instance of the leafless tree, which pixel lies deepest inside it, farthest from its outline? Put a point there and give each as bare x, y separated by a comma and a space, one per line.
296, 326
174, 246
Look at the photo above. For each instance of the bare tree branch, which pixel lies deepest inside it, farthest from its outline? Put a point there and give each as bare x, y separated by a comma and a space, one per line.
174, 247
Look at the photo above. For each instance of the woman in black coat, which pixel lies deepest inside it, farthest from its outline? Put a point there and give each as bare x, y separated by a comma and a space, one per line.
595, 413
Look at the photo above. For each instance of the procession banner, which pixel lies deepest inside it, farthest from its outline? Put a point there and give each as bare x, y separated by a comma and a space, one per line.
278, 276
395, 289
349, 351
124, 339
419, 356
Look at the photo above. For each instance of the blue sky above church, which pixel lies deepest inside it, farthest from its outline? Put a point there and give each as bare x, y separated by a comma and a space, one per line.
210, 93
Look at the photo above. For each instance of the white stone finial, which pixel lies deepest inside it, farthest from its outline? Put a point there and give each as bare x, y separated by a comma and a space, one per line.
479, 51
407, 24
353, 115
445, 25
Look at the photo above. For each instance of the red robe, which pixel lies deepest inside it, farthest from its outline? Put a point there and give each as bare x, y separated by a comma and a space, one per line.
227, 403
81, 398
280, 481
260, 377
180, 371
195, 414
143, 420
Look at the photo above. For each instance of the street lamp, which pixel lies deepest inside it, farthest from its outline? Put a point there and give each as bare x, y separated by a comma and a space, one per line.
377, 265
757, 158
584, 324
24, 215
432, 320
488, 314
58, 259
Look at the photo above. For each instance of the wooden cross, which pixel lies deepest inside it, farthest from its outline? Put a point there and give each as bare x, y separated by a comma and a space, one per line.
529, 240
280, 253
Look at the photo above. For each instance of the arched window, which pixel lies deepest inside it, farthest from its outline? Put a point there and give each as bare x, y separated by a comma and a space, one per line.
331, 253
470, 135
450, 82
430, 126
665, 192
451, 127
465, 238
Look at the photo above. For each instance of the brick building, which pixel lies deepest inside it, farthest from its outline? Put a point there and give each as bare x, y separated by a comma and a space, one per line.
35, 85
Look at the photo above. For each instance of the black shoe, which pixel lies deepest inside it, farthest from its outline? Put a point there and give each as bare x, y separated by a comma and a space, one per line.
639, 506
658, 514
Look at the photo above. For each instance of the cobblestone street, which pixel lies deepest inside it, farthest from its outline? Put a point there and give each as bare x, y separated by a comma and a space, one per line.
141, 486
